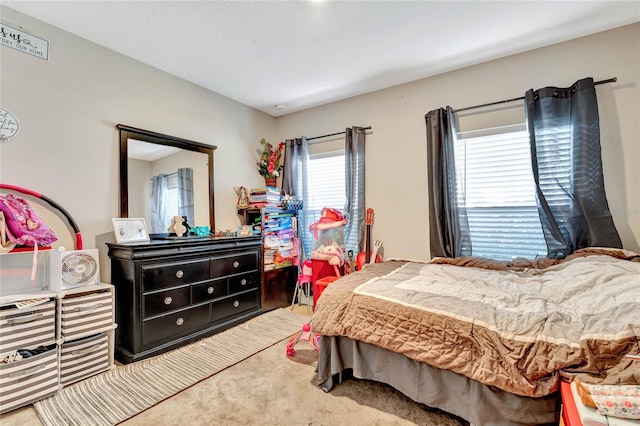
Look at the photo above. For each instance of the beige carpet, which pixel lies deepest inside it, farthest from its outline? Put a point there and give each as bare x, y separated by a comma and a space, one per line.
269, 388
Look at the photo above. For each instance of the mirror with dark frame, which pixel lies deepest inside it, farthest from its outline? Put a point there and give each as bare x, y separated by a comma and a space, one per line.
162, 176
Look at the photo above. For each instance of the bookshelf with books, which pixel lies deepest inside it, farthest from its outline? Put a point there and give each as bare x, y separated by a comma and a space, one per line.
280, 245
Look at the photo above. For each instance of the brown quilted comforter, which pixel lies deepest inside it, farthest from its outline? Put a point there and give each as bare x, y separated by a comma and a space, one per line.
518, 326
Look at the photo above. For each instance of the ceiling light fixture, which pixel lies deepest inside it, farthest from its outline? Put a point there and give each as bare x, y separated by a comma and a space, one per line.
281, 107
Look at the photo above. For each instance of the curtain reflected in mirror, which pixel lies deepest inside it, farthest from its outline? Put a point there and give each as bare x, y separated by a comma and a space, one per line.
158, 203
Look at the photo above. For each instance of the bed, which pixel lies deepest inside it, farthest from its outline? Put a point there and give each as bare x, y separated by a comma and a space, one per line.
487, 341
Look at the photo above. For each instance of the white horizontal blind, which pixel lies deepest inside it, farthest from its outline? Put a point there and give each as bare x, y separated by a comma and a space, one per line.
496, 186
171, 200
327, 184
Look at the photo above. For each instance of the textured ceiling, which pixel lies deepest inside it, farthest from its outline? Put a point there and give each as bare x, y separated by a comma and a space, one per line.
306, 53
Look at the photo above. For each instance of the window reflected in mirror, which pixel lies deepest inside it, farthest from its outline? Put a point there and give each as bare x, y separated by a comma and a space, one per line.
165, 181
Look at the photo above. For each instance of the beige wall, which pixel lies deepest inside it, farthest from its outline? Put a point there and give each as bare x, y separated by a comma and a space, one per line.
68, 106
396, 146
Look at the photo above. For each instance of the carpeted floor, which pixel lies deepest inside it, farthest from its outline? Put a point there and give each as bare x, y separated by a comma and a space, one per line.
269, 388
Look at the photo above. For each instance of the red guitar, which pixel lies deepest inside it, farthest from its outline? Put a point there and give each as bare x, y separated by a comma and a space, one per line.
367, 256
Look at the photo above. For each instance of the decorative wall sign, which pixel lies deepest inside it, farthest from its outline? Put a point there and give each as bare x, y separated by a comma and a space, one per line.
9, 125
23, 42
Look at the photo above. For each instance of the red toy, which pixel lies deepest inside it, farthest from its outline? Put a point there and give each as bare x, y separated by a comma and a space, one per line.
305, 334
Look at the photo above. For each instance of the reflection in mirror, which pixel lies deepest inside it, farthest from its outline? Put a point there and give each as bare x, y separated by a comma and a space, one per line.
167, 182
164, 176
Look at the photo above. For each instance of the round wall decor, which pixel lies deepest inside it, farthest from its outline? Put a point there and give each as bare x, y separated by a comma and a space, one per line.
9, 125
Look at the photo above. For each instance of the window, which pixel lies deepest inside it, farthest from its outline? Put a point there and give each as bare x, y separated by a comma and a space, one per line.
326, 186
494, 167
326, 189
171, 200
496, 187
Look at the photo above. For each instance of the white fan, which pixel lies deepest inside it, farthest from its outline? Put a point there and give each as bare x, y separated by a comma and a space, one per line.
72, 269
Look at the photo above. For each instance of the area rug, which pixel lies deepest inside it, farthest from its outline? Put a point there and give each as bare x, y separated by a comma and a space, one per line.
116, 395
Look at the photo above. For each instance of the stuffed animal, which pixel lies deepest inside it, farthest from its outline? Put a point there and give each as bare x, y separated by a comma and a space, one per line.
334, 255
177, 226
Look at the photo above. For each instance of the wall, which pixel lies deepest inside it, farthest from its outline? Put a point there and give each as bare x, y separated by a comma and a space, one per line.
68, 106
396, 146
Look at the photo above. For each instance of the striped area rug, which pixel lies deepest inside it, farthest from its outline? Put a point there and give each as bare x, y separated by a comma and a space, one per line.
116, 395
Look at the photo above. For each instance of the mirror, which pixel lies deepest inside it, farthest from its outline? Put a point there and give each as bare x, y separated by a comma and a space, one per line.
145, 154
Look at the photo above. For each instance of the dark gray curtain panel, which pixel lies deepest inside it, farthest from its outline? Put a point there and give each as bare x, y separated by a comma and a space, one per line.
295, 181
296, 162
448, 225
185, 194
354, 169
158, 204
564, 130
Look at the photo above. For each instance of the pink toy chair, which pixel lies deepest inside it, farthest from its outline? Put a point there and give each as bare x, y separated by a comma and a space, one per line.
304, 280
305, 335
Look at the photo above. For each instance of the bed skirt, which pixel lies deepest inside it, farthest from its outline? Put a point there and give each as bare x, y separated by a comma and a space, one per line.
451, 392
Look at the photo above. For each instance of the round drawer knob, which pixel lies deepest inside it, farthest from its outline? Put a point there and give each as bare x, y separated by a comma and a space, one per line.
236, 264
236, 304
210, 290
168, 300
180, 321
243, 282
179, 274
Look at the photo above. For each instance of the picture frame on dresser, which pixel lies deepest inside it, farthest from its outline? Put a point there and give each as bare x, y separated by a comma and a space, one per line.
130, 230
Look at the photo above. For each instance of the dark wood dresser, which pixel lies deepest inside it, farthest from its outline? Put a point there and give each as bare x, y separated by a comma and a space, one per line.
173, 292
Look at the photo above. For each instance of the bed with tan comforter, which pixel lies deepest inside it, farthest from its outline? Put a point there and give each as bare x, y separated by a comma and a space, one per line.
517, 327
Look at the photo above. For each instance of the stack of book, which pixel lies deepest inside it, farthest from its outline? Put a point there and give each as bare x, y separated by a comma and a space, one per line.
280, 242
264, 197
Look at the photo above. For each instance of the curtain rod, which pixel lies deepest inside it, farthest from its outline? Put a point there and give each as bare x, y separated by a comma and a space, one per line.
610, 80
335, 134
167, 174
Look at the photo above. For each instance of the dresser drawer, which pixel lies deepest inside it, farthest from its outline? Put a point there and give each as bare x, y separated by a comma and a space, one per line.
27, 328
158, 276
234, 263
85, 314
209, 290
175, 323
165, 301
29, 379
233, 305
243, 282
83, 358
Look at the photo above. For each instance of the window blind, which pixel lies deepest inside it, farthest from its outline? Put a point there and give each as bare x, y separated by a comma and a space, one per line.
496, 187
171, 200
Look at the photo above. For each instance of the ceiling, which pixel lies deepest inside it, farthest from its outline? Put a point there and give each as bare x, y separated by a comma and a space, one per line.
300, 54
